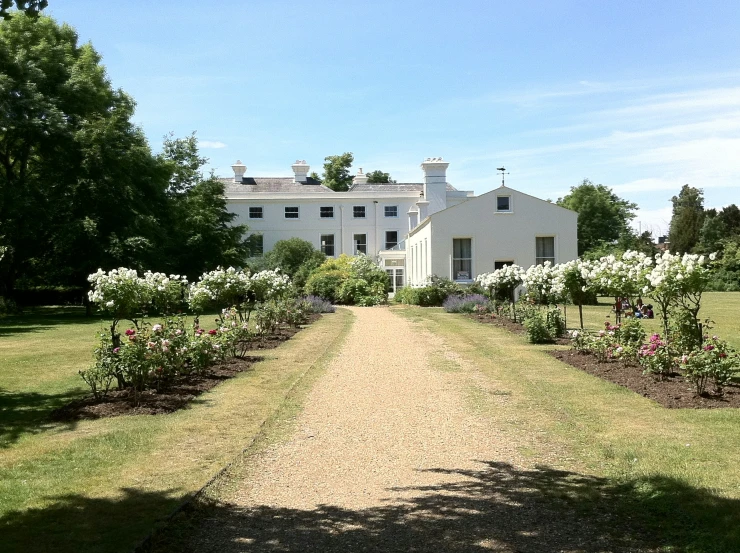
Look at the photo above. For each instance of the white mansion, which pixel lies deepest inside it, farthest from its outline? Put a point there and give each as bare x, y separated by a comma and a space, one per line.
414, 229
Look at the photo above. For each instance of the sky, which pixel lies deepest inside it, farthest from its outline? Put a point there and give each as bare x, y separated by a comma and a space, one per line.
642, 97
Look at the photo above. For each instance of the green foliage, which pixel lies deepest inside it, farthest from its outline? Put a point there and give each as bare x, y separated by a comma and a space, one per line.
289, 255
326, 283
555, 322
350, 280
687, 220
630, 334
602, 215
30, 8
379, 177
716, 361
336, 172
656, 357
537, 328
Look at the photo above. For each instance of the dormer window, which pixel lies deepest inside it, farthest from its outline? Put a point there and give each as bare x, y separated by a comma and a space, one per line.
503, 203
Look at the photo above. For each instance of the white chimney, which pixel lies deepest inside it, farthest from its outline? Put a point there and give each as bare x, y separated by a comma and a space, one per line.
424, 209
300, 170
360, 177
239, 170
435, 183
413, 214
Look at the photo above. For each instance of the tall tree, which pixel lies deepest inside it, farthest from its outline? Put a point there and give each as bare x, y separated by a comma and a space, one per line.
603, 217
336, 172
687, 220
379, 176
199, 229
75, 174
28, 7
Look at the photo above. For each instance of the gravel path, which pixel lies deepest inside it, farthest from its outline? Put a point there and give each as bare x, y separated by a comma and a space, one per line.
388, 455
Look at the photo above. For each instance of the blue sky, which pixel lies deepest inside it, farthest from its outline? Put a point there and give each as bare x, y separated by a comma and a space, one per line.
640, 96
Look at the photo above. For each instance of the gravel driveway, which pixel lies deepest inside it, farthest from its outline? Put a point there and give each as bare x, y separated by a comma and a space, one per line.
389, 455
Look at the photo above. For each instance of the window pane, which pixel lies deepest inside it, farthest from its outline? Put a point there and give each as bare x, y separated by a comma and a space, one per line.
327, 212
461, 259
544, 249
391, 211
255, 213
358, 211
461, 247
399, 278
327, 244
502, 203
360, 241
391, 239
501, 264
291, 213
546, 246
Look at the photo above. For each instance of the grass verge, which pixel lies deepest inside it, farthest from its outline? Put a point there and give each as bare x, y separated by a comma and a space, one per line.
101, 485
673, 472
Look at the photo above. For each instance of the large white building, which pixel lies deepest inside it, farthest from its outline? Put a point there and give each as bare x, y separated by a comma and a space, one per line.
414, 229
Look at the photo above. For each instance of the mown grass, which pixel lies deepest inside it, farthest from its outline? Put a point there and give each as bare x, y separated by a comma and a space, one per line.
101, 485
675, 471
723, 308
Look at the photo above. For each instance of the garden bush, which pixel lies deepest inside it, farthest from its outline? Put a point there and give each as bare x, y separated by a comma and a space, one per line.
349, 280
537, 329
715, 362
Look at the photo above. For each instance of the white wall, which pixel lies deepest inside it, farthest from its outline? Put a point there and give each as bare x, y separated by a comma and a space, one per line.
498, 236
310, 226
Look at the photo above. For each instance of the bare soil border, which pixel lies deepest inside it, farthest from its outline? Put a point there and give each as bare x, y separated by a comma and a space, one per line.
177, 396
674, 392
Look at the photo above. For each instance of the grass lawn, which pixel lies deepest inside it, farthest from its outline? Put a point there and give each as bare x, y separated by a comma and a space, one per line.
721, 307
675, 472
101, 485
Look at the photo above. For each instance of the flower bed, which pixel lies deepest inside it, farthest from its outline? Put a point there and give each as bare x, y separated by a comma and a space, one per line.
178, 393
673, 391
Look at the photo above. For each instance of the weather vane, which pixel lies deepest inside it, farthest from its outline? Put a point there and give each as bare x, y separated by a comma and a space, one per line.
503, 172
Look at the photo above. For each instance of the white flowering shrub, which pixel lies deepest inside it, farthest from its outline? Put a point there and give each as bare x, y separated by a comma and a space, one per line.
501, 283
168, 292
121, 293
220, 289
544, 283
269, 285
678, 281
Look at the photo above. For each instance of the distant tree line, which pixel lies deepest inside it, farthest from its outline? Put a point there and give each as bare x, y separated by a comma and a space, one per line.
604, 228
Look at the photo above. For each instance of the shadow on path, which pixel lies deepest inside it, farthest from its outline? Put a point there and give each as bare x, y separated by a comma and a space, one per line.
498, 508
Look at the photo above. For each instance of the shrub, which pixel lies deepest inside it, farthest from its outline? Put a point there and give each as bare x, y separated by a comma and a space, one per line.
466, 304
556, 323
325, 284
716, 362
537, 329
350, 280
655, 357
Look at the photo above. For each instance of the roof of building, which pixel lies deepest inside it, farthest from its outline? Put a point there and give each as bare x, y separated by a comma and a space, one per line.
272, 185
287, 185
393, 187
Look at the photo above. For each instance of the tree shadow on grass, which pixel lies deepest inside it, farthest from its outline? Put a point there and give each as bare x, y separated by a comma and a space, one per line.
78, 524
45, 318
28, 413
498, 508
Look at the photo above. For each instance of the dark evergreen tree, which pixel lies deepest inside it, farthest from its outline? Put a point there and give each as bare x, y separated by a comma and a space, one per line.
687, 219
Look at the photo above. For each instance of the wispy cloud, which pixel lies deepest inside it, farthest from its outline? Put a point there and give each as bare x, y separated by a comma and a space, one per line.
211, 144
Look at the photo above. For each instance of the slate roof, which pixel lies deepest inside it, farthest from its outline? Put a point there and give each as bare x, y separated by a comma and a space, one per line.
285, 185
393, 187
272, 185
